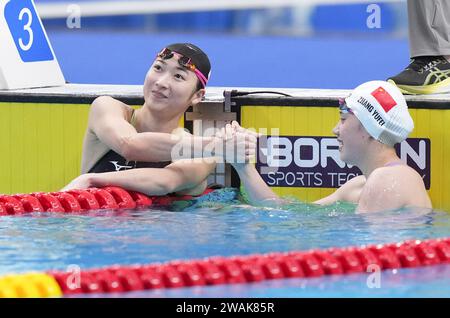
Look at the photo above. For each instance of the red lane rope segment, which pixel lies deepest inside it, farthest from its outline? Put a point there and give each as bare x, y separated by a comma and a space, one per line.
82, 201
255, 268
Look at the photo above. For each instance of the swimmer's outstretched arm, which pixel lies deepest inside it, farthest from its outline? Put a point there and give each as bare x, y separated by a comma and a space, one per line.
106, 121
176, 177
257, 190
151, 147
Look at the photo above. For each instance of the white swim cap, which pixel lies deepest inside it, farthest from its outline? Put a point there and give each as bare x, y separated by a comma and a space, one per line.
381, 108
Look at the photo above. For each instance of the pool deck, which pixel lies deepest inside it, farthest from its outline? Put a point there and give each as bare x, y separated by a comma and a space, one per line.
87, 93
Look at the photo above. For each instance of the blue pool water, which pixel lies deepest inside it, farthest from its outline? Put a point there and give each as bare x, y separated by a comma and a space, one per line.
220, 224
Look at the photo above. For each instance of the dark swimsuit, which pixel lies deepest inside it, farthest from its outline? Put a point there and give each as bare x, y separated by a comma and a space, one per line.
112, 161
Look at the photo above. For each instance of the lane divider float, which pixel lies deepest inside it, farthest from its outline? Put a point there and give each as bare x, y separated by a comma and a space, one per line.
229, 270
83, 201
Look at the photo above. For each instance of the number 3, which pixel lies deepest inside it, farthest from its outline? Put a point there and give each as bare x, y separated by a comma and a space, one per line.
26, 28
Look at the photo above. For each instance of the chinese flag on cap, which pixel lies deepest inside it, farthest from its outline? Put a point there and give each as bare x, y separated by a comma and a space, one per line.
384, 98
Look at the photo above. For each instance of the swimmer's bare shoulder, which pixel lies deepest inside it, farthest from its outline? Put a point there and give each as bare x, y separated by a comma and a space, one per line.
393, 187
107, 108
106, 116
348, 192
351, 190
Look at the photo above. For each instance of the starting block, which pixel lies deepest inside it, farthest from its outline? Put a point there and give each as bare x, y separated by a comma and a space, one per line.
26, 57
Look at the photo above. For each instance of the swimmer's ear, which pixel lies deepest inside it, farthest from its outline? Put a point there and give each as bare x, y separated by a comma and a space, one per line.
197, 96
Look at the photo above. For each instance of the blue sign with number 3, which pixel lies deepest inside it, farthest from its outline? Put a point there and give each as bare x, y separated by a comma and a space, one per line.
27, 32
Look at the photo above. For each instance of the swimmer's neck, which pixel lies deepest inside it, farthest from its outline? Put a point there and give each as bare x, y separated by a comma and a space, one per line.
380, 158
148, 121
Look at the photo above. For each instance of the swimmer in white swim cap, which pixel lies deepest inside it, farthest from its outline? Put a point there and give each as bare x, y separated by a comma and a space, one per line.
373, 119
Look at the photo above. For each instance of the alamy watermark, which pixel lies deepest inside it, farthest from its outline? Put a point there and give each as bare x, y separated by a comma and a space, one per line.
73, 20
374, 279
238, 147
73, 280
374, 19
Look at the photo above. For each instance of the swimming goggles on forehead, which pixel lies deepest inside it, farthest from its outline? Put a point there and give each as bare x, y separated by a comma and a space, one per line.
343, 108
184, 61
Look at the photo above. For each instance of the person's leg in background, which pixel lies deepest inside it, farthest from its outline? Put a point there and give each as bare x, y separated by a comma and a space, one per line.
429, 40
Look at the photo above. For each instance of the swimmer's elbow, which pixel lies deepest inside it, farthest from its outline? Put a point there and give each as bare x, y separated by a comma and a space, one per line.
165, 186
174, 180
161, 188
151, 185
194, 189
130, 150
126, 148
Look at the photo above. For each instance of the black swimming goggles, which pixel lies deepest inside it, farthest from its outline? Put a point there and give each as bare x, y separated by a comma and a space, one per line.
343, 108
184, 61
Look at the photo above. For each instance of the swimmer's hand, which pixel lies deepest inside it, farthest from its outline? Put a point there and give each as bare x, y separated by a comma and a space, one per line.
80, 182
240, 144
